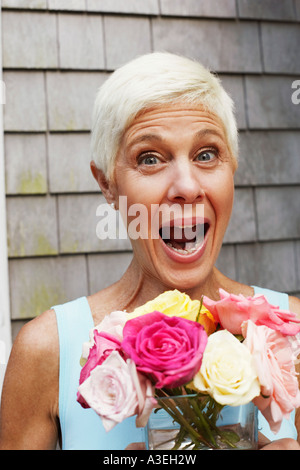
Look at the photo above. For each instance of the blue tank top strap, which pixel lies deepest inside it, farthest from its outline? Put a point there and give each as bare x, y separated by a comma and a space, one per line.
288, 428
278, 299
81, 428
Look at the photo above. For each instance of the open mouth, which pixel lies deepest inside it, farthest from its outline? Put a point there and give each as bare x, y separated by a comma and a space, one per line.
184, 239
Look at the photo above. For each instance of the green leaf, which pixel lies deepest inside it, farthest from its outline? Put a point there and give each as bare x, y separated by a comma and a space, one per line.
230, 437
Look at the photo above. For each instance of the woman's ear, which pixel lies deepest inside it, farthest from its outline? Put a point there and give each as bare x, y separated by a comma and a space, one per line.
107, 187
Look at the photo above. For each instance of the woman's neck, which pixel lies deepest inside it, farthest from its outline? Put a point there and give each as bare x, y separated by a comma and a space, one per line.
141, 287
137, 287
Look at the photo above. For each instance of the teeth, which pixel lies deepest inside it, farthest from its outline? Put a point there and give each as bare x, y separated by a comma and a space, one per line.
193, 240
190, 246
190, 249
184, 226
183, 252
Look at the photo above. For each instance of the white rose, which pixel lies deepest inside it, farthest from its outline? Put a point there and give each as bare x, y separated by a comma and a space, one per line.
227, 372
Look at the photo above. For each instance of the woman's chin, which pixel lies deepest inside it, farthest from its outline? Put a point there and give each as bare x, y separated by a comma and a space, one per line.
182, 279
175, 270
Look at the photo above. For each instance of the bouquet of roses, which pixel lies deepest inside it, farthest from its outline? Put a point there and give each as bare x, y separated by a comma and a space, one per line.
232, 351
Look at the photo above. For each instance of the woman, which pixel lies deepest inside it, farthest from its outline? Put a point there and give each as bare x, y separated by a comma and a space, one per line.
164, 137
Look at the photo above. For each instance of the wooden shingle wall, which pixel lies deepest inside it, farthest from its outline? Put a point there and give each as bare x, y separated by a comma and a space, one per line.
56, 53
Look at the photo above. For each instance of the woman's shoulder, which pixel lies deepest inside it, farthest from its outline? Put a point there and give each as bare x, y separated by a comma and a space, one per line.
39, 334
36, 347
35, 350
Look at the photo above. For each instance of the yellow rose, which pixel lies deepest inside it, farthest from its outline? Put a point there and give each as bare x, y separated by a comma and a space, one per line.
177, 304
172, 303
227, 371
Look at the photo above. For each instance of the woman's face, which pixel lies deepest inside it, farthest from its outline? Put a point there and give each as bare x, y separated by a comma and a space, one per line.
176, 172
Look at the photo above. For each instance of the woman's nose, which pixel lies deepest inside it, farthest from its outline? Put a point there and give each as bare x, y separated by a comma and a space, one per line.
185, 184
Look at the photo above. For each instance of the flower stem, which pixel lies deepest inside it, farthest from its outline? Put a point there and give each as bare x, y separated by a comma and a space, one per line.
199, 311
202, 420
191, 423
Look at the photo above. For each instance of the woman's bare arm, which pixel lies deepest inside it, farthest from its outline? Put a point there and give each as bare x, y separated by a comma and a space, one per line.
29, 405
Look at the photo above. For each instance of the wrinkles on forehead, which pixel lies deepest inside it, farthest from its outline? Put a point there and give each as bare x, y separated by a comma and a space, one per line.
153, 124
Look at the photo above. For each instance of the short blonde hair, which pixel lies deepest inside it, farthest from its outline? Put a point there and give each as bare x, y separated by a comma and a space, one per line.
154, 80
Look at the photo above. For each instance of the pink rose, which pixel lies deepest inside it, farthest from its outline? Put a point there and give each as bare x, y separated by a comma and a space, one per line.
104, 345
115, 391
145, 395
112, 324
104, 338
273, 358
232, 310
167, 349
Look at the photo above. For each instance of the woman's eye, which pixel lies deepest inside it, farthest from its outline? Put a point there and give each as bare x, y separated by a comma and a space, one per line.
148, 160
206, 156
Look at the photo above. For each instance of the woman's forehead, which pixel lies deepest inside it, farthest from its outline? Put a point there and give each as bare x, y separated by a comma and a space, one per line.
157, 123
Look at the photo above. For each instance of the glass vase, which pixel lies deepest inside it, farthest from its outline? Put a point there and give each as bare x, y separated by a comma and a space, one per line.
193, 422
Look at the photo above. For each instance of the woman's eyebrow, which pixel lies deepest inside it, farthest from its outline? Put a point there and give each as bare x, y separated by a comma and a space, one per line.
156, 137
145, 138
206, 132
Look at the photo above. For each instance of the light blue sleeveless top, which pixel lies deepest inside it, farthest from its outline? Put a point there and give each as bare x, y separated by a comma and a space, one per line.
81, 428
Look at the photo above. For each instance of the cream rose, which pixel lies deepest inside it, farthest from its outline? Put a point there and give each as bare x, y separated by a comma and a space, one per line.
227, 372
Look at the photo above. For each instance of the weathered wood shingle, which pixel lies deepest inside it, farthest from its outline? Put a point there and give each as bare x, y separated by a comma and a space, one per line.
57, 53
